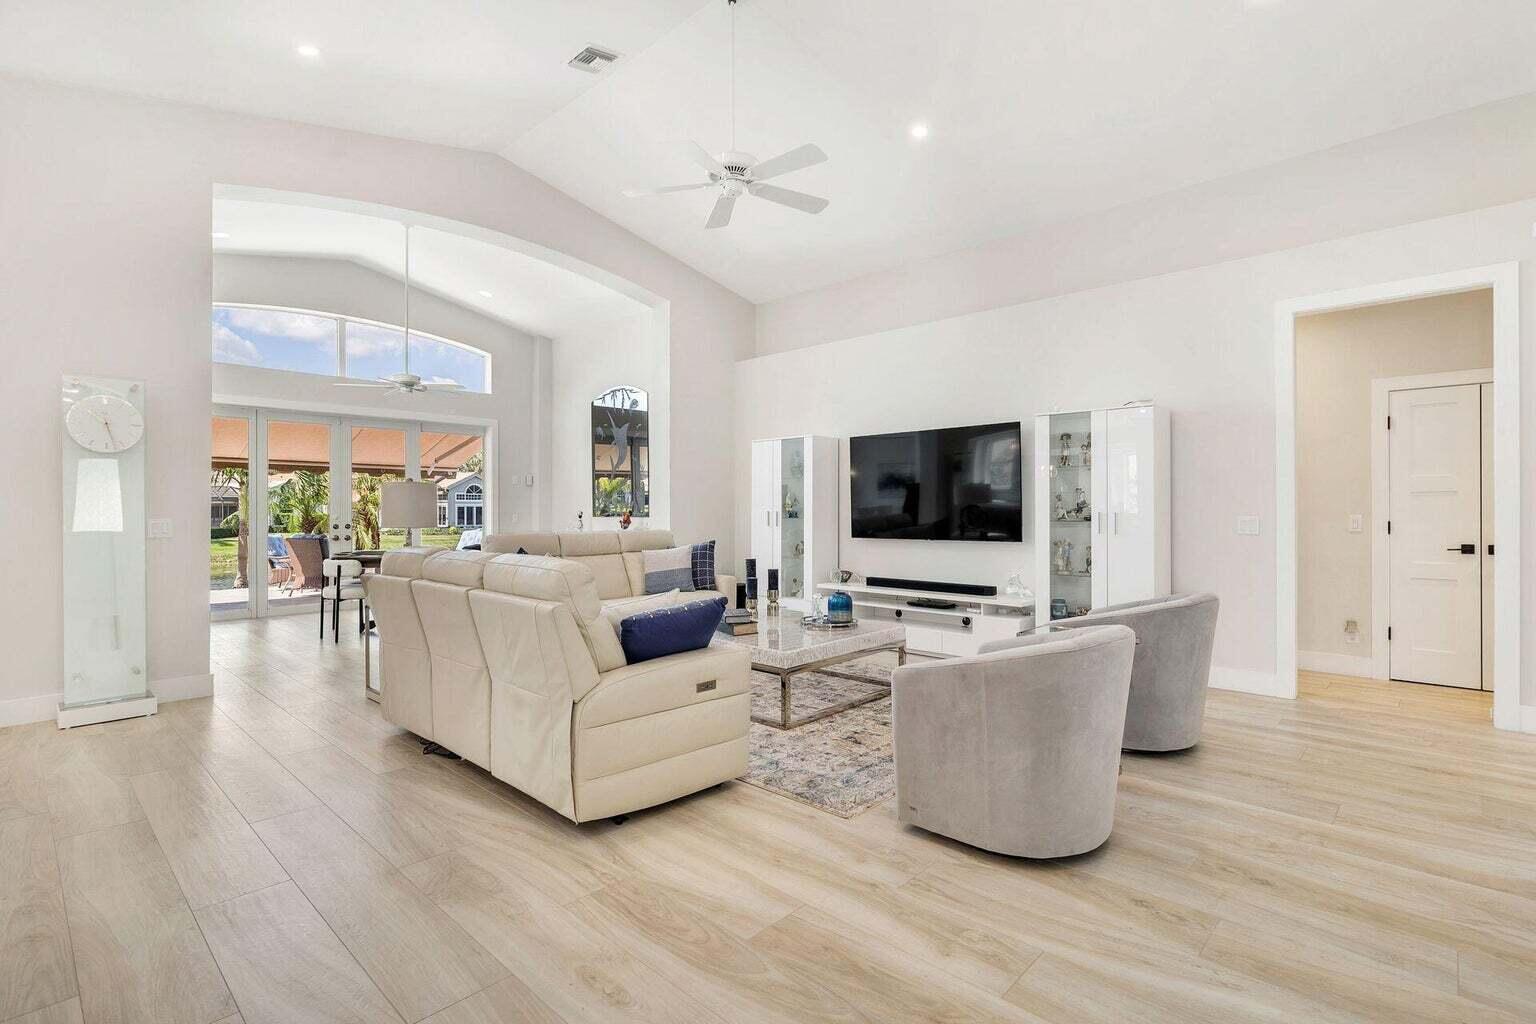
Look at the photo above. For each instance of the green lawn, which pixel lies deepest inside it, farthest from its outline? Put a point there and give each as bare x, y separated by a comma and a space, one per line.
225, 552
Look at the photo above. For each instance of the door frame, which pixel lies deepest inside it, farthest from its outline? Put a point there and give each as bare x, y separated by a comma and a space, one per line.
1381, 499
1504, 280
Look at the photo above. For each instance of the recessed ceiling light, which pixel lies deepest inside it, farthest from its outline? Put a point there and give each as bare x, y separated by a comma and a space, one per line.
919, 130
221, 234
484, 294
308, 50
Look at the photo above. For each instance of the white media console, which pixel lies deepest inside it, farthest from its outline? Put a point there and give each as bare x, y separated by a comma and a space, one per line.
960, 630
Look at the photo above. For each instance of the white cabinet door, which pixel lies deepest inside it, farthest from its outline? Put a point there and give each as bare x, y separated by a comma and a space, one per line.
1434, 472
1130, 505
765, 528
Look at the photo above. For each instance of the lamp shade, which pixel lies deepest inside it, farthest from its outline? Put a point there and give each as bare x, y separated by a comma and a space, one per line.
98, 497
407, 503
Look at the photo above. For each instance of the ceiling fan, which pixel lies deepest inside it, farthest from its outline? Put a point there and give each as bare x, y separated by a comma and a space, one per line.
405, 382
734, 174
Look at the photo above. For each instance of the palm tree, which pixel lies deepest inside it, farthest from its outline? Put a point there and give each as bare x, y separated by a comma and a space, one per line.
366, 491
238, 478
612, 496
302, 503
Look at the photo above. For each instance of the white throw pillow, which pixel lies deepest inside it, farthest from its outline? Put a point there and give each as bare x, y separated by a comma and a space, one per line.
668, 569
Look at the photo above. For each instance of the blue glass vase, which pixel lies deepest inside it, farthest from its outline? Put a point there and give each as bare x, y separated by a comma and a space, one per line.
839, 607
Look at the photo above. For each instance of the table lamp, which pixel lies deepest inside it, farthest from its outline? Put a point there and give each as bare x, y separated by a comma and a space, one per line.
408, 505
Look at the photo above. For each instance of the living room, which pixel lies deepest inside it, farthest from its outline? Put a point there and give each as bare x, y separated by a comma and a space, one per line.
783, 669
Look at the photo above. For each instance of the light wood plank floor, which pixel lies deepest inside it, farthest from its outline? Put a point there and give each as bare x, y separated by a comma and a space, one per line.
279, 853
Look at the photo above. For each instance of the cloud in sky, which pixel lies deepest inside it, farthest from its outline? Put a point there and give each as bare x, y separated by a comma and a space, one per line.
317, 330
368, 340
229, 347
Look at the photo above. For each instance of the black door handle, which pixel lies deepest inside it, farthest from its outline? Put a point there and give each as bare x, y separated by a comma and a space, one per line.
1465, 549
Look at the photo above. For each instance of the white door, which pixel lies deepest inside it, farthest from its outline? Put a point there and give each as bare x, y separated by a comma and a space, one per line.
1130, 547
765, 527
1434, 468
1486, 547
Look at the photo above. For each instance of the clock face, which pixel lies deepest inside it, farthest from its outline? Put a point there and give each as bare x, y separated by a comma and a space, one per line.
104, 423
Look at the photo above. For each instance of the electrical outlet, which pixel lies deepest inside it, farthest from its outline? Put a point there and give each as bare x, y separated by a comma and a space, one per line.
1351, 631
1356, 522
1248, 526
159, 529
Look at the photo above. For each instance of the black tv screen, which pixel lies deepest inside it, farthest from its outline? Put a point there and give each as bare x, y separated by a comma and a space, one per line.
958, 483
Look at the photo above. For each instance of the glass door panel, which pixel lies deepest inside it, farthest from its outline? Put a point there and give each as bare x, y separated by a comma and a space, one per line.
1071, 513
298, 509
378, 456
229, 521
456, 463
792, 582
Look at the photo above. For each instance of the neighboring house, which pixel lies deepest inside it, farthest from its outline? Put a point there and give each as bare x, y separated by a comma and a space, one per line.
461, 501
223, 502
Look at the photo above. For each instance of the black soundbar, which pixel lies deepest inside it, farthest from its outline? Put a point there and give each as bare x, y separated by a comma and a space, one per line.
937, 586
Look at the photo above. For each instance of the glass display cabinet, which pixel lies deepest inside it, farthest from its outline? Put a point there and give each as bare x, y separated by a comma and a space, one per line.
794, 514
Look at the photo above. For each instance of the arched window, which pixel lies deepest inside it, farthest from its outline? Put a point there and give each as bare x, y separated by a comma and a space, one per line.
304, 341
471, 506
621, 452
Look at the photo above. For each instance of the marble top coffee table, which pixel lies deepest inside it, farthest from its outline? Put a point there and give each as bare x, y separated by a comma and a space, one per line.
785, 648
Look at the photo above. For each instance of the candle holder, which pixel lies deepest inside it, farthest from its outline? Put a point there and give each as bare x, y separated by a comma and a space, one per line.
773, 591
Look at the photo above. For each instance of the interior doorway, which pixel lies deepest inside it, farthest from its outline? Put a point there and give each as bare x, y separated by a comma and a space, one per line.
1437, 572
1504, 611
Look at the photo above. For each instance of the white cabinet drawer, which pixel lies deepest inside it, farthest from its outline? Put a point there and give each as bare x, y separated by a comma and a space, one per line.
925, 639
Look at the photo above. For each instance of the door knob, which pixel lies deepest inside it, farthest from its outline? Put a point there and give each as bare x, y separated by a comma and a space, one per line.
1465, 549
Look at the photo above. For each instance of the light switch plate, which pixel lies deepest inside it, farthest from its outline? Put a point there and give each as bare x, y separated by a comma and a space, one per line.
1248, 526
159, 529
1356, 522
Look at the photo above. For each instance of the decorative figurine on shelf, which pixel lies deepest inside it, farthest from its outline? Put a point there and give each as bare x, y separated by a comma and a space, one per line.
1015, 585
1058, 563
1080, 510
1066, 558
1059, 509
1087, 451
1066, 450
791, 506
846, 576
581, 522
1088, 562
773, 591
625, 520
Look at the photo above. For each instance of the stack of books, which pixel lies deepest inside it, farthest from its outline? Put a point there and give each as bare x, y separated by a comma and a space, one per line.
738, 622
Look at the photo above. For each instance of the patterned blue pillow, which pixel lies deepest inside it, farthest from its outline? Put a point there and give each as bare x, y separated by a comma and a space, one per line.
682, 627
703, 557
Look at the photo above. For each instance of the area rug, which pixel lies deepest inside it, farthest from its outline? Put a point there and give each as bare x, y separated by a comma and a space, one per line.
842, 764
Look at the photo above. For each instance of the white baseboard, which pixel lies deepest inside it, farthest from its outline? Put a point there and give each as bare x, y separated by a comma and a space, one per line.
1243, 680
1336, 664
183, 687
1528, 719
44, 707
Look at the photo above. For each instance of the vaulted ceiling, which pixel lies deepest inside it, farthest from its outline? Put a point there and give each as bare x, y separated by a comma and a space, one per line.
1038, 111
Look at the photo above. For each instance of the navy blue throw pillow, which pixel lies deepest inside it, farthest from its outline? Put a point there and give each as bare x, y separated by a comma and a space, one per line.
682, 627
702, 557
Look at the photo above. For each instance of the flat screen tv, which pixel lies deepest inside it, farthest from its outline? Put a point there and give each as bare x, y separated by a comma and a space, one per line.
957, 483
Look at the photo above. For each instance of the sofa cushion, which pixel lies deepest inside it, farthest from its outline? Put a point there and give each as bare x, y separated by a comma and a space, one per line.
618, 610
702, 558
567, 582
664, 631
405, 562
461, 567
668, 569
645, 540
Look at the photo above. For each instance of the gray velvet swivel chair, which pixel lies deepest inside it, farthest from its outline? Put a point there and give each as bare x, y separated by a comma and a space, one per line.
1174, 637
1016, 751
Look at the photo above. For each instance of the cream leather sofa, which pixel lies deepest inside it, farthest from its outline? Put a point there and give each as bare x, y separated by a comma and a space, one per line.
508, 661
614, 556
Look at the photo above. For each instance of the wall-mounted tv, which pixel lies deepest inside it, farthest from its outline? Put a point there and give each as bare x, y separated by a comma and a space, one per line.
958, 483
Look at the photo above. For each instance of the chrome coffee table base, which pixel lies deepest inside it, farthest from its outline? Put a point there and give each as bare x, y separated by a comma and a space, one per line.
785, 720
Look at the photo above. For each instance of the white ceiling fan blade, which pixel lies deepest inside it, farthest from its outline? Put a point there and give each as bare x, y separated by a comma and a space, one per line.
720, 216
788, 197
699, 155
442, 385
363, 384
638, 193
796, 159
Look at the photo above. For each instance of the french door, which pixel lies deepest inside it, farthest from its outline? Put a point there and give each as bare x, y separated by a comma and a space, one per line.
287, 486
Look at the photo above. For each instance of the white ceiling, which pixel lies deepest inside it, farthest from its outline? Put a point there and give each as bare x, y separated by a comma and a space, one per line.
525, 292
1040, 111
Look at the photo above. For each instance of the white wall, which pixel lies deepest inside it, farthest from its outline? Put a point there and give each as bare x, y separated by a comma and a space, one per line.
1338, 355
105, 268
585, 362
344, 287
1199, 341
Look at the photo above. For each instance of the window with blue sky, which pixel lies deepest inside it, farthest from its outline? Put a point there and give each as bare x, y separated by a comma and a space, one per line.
306, 342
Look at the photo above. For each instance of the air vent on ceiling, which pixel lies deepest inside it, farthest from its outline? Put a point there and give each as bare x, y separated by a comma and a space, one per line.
593, 60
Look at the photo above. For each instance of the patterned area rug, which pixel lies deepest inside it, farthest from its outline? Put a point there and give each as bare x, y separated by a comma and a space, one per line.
842, 764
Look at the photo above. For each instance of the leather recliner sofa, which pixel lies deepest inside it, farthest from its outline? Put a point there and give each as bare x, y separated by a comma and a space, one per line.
508, 661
